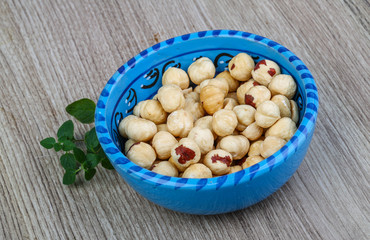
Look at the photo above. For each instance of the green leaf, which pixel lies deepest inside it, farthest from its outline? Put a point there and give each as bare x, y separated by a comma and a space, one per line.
92, 160
66, 130
89, 174
62, 139
48, 143
69, 177
106, 164
91, 140
57, 147
68, 161
68, 145
79, 155
83, 110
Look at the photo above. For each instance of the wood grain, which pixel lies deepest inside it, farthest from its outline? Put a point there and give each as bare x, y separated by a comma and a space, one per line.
54, 52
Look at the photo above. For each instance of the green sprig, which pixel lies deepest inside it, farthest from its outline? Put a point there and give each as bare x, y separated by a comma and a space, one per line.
74, 159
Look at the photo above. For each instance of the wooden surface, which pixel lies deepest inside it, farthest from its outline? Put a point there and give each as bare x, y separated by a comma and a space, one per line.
55, 52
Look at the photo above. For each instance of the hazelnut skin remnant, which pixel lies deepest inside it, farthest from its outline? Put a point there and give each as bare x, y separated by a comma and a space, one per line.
185, 153
241, 66
257, 95
264, 71
218, 161
201, 70
243, 89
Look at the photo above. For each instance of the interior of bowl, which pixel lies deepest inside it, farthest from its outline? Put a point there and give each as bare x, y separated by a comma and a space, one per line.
140, 78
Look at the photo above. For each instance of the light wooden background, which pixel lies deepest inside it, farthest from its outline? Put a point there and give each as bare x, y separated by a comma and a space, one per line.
55, 52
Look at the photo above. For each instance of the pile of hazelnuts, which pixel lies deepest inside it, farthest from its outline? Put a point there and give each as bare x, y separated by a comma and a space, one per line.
225, 124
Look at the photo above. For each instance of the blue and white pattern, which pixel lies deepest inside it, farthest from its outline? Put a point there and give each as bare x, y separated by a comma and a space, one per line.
140, 78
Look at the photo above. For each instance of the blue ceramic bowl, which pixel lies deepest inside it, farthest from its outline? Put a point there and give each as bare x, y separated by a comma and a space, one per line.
140, 78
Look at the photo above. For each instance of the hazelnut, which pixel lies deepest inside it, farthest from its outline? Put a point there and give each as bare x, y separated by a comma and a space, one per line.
250, 161
203, 137
237, 146
229, 103
187, 91
176, 76
284, 128
264, 71
197, 89
234, 169
232, 95
243, 89
270, 145
205, 122
218, 161
140, 129
151, 110
257, 95
217, 82
185, 153
141, 154
240, 127
165, 168
197, 170
179, 123
241, 66
253, 131
283, 84
194, 108
128, 144
201, 70
122, 125
233, 83
162, 143
245, 114
212, 99
283, 104
224, 122
294, 111
267, 114
192, 95
255, 148
162, 127
171, 97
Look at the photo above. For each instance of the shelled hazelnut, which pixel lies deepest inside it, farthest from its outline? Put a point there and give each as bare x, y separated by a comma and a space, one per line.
165, 168
162, 143
185, 153
179, 123
212, 99
241, 66
217, 82
283, 104
171, 97
203, 137
283, 84
257, 95
270, 145
284, 128
253, 131
201, 70
294, 111
176, 76
245, 114
197, 170
233, 83
142, 154
151, 110
267, 114
236, 145
218, 161
139, 129
264, 71
224, 122
252, 160
243, 89
229, 103
255, 148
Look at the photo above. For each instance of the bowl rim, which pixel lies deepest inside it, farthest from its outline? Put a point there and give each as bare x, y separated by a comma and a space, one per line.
123, 165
